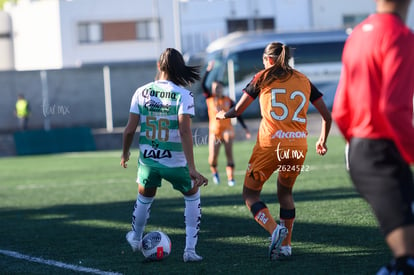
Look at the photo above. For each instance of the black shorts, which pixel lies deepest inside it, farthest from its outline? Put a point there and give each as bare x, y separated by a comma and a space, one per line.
384, 180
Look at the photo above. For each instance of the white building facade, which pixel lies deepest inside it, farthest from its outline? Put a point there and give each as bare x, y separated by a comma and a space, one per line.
6, 46
53, 34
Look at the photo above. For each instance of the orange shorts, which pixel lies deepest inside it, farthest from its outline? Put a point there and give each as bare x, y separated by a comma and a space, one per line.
286, 160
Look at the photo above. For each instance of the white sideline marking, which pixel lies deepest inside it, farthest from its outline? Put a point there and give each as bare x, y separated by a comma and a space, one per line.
55, 263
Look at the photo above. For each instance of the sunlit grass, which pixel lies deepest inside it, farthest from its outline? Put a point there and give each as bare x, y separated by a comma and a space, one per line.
76, 207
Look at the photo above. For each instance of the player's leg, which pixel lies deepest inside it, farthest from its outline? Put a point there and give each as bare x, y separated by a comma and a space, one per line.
181, 181
262, 216
213, 152
228, 148
289, 170
258, 208
192, 218
148, 181
260, 168
287, 211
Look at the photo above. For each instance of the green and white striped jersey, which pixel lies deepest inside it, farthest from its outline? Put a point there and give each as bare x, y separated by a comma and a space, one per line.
159, 104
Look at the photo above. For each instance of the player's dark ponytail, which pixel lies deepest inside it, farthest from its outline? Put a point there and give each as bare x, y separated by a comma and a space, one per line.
172, 63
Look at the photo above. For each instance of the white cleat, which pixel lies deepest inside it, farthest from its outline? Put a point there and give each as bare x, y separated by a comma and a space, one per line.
278, 236
231, 183
133, 241
285, 251
191, 256
216, 178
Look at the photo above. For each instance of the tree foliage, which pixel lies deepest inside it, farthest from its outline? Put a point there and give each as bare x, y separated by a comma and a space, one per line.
2, 2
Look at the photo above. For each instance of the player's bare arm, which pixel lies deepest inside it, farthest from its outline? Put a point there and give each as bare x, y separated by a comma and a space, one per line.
128, 137
321, 147
238, 109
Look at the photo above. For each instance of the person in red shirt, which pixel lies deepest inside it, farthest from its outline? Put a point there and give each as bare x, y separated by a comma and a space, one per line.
281, 145
373, 108
220, 131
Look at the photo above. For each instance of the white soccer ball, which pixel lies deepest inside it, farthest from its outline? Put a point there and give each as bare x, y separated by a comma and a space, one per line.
156, 245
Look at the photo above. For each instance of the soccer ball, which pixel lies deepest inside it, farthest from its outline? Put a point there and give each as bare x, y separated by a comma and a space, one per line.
156, 245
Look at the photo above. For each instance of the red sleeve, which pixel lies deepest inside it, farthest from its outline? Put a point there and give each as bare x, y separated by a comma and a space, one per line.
340, 110
397, 93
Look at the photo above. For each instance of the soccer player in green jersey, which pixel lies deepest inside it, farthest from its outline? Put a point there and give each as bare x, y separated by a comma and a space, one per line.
163, 109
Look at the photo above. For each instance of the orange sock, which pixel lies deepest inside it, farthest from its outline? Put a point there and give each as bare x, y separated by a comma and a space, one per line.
288, 223
265, 219
213, 169
229, 172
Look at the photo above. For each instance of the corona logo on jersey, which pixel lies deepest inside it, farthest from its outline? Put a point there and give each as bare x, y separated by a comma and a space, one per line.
161, 94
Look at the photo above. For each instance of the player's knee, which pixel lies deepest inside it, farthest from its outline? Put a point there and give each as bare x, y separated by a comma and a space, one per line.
286, 180
390, 219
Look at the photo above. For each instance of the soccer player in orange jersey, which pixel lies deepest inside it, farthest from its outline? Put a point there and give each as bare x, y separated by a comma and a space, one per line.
220, 131
281, 145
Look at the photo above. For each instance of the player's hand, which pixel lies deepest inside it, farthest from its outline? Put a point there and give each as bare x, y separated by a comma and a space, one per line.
198, 179
321, 148
220, 115
248, 135
124, 159
210, 65
202, 181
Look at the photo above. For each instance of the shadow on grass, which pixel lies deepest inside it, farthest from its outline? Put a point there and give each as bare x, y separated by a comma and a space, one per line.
230, 240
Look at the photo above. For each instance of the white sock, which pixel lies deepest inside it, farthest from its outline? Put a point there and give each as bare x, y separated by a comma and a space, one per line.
141, 214
192, 217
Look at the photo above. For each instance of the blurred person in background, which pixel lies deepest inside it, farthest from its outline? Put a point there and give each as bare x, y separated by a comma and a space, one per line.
220, 131
22, 112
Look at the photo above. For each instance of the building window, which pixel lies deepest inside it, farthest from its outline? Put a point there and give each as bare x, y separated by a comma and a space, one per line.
142, 30
118, 31
351, 20
264, 24
148, 30
234, 25
256, 24
89, 32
